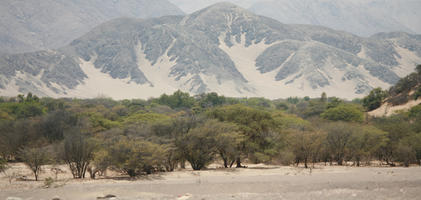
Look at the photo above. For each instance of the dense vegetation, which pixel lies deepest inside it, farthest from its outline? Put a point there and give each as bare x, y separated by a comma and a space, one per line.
137, 137
408, 88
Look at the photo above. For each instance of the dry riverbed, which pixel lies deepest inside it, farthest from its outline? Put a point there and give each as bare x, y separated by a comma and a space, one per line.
255, 182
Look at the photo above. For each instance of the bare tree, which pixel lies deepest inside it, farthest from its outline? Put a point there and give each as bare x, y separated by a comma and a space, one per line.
78, 151
34, 159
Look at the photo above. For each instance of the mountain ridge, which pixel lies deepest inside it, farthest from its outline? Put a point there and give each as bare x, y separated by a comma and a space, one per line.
27, 25
222, 48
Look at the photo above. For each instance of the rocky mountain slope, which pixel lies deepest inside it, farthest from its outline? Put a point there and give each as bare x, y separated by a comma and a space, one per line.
361, 17
28, 25
222, 48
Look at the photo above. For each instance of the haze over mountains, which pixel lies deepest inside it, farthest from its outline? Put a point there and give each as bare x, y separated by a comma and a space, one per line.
29, 25
222, 48
361, 17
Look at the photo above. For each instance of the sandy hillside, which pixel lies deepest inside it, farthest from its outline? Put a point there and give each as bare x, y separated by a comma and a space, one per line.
387, 109
255, 182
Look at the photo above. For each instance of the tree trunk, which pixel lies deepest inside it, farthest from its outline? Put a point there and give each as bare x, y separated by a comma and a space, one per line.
131, 172
238, 161
224, 159
232, 163
183, 164
340, 162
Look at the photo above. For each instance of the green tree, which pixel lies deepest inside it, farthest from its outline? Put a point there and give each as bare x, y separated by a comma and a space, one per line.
227, 141
306, 145
100, 163
178, 99
344, 112
255, 124
34, 159
365, 142
136, 157
375, 99
211, 100
338, 136
199, 146
409, 149
334, 102
398, 127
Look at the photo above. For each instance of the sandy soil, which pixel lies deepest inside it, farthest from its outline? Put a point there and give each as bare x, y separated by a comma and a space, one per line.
388, 110
255, 182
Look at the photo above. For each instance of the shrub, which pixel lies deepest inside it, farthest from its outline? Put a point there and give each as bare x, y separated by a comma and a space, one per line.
375, 99
34, 158
417, 93
399, 99
136, 157
78, 152
344, 112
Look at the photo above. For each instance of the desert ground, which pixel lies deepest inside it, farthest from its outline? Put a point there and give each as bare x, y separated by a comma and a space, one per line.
255, 182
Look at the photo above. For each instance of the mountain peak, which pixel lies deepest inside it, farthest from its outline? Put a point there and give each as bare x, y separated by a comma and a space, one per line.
219, 13
222, 7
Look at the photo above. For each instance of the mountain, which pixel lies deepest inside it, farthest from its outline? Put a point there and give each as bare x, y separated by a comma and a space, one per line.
190, 6
222, 48
361, 17
28, 25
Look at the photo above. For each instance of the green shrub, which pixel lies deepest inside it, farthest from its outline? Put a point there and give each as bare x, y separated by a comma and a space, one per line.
374, 100
417, 93
344, 112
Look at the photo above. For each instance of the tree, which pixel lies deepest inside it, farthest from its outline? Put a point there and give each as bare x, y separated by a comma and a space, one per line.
405, 154
365, 142
255, 124
338, 137
199, 146
306, 145
172, 156
17, 134
334, 102
227, 140
78, 151
34, 159
55, 123
211, 100
409, 149
178, 99
397, 127
344, 112
375, 99
136, 157
100, 163
323, 98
